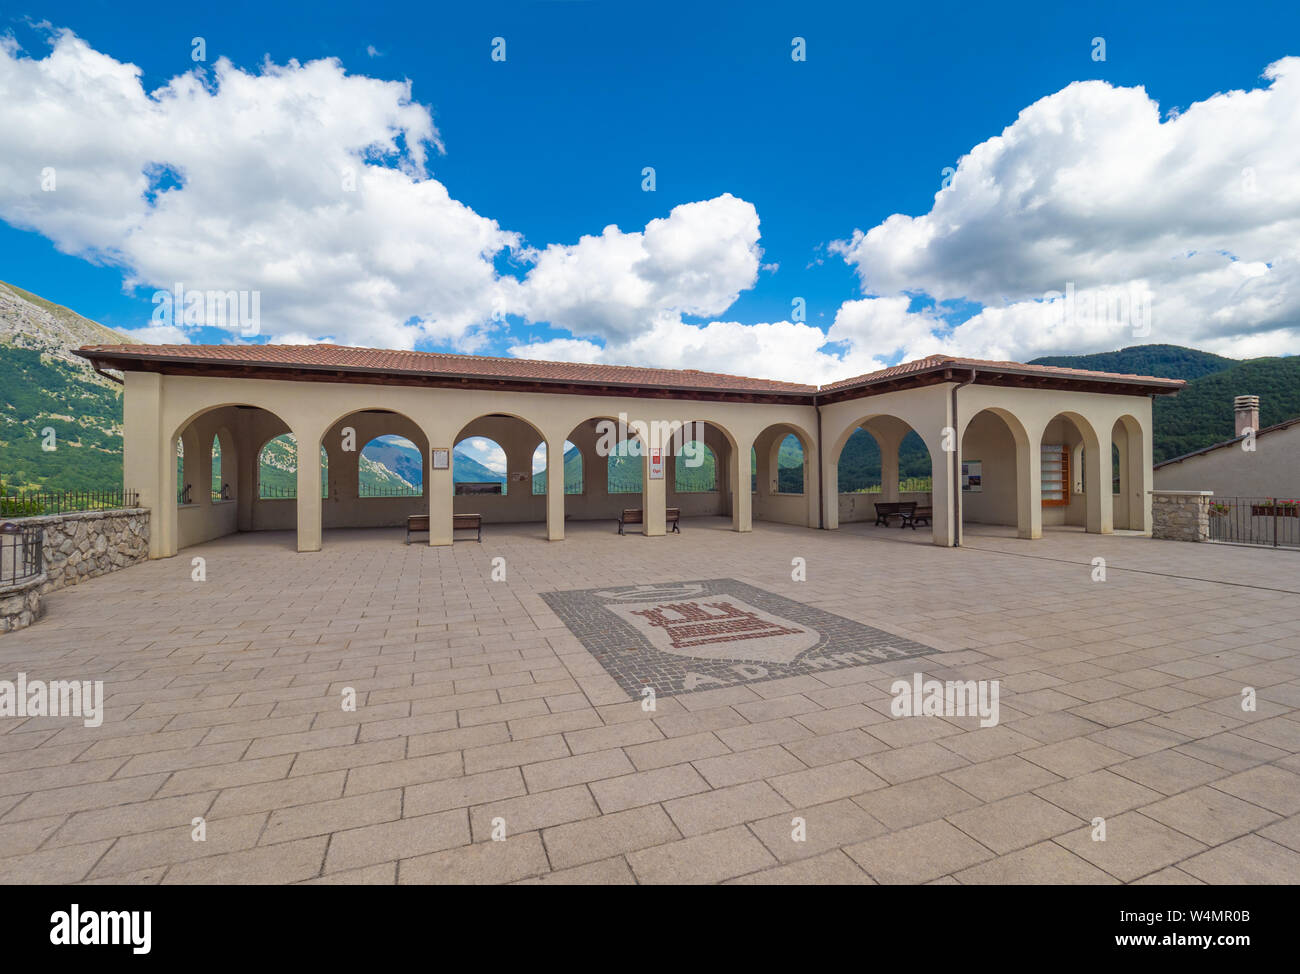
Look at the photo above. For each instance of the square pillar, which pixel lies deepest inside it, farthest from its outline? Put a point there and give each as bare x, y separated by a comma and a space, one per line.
812, 485
1097, 492
149, 458
830, 488
309, 487
1029, 489
888, 468
947, 511
555, 489
440, 492
742, 500
1141, 478
654, 495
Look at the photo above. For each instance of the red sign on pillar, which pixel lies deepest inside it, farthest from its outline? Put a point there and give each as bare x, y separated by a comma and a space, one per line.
656, 464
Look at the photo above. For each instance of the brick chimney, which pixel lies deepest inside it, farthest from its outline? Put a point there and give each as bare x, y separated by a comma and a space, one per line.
1246, 409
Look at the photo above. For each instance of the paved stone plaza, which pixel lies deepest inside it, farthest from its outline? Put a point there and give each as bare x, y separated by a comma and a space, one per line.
478, 709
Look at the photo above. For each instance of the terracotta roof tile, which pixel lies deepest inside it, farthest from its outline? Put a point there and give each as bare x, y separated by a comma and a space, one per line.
440, 364
948, 361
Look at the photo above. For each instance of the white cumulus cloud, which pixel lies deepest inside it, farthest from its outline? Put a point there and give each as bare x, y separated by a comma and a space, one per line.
299, 181
1089, 188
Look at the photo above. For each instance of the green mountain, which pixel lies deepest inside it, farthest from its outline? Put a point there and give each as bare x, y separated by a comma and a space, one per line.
397, 460
1202, 414
60, 421
1162, 361
572, 474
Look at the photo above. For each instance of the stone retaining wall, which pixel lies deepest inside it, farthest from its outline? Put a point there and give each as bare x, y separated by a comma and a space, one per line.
90, 543
1181, 515
20, 603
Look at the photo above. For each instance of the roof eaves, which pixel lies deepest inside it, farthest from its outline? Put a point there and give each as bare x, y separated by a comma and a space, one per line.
783, 389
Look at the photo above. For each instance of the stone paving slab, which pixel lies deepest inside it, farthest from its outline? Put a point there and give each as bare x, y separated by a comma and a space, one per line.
499, 734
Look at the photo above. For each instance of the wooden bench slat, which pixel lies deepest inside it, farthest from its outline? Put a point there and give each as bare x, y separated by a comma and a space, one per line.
887, 509
635, 515
416, 523
917, 516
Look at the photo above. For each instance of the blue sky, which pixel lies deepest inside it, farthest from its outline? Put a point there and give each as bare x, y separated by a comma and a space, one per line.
548, 146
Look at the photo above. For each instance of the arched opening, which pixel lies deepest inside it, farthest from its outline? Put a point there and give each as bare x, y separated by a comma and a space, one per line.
479, 463
1129, 473
696, 471
1074, 483
789, 466
492, 470
700, 479
373, 464
217, 477
884, 468
277, 469
623, 473
572, 469
602, 470
184, 490
694, 475
785, 476
390, 466
215, 487
995, 476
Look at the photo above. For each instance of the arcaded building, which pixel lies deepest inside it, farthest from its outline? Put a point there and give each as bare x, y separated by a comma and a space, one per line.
1033, 447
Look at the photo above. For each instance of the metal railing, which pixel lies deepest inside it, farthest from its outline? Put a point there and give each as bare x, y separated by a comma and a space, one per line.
22, 554
1270, 521
30, 503
388, 490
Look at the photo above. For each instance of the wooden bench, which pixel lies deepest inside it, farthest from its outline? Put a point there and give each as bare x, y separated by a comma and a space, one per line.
634, 515
468, 522
416, 523
887, 509
918, 515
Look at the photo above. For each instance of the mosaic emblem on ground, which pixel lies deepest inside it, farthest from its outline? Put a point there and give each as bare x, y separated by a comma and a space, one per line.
684, 636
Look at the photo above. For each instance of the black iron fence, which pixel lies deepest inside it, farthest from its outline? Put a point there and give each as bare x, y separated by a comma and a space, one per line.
30, 503
267, 492
389, 490
1271, 521
21, 552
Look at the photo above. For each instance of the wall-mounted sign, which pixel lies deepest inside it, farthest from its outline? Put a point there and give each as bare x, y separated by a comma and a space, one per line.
972, 476
441, 458
656, 464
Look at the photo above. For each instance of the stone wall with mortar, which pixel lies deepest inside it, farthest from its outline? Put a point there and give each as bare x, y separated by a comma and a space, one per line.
90, 543
1181, 515
20, 603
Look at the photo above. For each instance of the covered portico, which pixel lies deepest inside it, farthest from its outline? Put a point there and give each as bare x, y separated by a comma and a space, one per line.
331, 400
